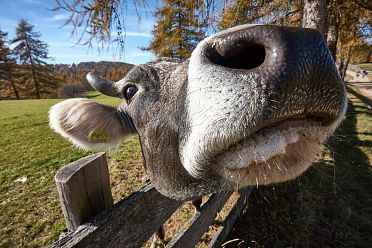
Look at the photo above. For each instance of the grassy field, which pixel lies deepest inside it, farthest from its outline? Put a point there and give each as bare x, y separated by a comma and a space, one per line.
31, 154
366, 66
329, 206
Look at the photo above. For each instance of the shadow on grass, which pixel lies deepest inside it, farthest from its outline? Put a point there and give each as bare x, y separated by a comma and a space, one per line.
328, 206
360, 96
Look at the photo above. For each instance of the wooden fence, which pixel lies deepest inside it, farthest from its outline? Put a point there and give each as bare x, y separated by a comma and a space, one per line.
94, 221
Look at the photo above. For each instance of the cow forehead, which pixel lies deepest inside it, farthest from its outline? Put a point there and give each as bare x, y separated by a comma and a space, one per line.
152, 74
162, 95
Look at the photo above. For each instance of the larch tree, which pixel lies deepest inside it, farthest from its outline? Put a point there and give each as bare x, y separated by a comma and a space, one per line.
32, 53
99, 19
178, 29
330, 17
354, 27
7, 64
280, 12
305, 13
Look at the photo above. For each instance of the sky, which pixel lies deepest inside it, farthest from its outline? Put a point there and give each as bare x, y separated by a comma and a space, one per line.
62, 47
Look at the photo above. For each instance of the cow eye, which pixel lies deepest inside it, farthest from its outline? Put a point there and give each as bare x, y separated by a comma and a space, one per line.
130, 91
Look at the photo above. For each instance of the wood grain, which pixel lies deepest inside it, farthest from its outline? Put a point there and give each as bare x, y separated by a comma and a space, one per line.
130, 223
84, 189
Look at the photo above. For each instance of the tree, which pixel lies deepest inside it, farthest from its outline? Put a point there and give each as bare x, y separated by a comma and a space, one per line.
7, 63
314, 15
333, 27
361, 54
32, 52
354, 26
279, 12
177, 30
305, 13
98, 19
328, 16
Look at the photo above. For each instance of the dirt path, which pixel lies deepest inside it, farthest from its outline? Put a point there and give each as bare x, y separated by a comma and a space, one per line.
363, 87
365, 79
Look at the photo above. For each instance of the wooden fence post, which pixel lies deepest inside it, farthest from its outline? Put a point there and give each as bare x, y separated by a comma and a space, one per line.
129, 223
84, 189
87, 204
200, 222
228, 223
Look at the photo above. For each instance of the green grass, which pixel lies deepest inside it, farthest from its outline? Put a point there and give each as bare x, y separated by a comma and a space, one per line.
366, 66
30, 213
329, 206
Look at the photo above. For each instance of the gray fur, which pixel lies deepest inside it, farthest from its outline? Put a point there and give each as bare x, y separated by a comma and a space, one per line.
211, 123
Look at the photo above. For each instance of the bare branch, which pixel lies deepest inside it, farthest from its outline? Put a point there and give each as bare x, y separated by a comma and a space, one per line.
364, 4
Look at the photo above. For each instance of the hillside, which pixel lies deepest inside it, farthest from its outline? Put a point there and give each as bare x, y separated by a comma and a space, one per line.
73, 79
110, 70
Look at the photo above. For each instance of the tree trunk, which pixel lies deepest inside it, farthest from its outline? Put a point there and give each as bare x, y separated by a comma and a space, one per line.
13, 86
350, 53
37, 88
314, 15
332, 35
344, 63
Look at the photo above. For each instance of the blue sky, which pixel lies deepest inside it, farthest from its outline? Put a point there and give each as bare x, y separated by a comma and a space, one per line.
62, 47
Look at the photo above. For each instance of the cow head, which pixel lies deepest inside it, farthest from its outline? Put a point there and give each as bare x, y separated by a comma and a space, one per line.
253, 105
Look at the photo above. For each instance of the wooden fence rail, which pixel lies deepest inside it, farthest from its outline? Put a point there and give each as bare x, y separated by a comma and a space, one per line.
93, 221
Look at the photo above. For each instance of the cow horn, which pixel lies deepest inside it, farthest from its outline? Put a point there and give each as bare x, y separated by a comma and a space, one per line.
103, 86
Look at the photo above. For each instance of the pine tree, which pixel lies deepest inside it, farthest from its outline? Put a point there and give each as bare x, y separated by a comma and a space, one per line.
178, 29
32, 52
7, 63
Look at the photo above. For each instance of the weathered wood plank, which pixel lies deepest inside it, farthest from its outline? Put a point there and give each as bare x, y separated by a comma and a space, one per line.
84, 189
198, 225
228, 223
130, 223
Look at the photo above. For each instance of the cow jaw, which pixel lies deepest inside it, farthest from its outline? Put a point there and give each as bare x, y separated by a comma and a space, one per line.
273, 154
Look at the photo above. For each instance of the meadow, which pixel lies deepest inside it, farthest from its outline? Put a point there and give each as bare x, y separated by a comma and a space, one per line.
329, 206
366, 66
31, 153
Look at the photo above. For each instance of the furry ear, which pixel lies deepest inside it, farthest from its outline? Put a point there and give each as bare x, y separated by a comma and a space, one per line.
90, 125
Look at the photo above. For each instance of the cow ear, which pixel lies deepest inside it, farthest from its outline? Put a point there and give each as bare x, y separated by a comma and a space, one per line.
90, 125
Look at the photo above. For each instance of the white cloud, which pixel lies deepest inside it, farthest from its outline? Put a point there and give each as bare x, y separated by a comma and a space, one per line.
143, 25
137, 54
60, 44
134, 57
33, 2
137, 34
59, 17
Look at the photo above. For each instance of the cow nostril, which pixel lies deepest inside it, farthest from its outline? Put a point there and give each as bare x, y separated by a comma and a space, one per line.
238, 55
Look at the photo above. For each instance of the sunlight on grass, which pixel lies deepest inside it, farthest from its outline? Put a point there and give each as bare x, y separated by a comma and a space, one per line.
366, 66
330, 204
31, 153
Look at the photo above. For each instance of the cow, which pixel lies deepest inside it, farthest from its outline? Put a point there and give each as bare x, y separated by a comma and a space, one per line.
252, 105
